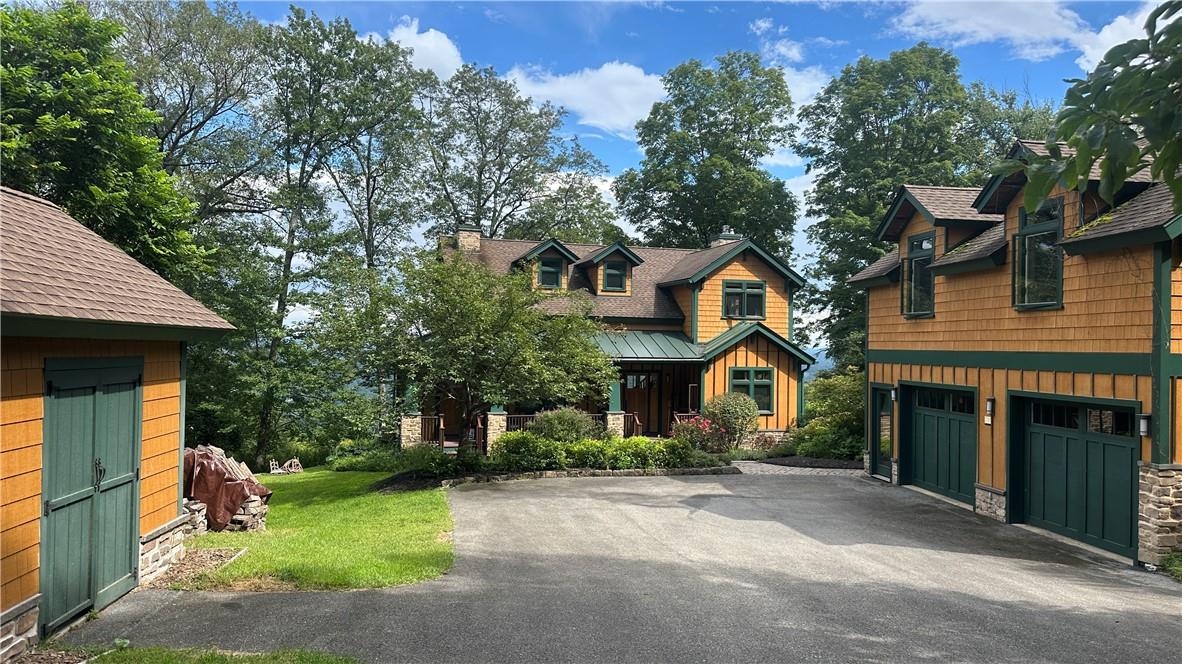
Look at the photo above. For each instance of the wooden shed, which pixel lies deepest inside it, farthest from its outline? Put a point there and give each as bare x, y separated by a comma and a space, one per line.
92, 405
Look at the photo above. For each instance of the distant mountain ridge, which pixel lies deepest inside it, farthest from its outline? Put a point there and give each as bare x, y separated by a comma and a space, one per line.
823, 362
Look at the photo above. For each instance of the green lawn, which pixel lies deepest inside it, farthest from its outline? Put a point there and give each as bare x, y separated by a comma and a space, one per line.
169, 656
326, 529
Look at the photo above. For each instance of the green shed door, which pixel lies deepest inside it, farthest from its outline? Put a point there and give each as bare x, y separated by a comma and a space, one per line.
944, 442
90, 464
1080, 473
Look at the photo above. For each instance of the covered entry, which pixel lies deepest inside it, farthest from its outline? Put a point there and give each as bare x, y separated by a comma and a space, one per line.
943, 441
91, 466
1078, 465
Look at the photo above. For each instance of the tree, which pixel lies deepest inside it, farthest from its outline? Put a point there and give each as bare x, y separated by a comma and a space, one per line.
1123, 115
702, 148
993, 119
74, 130
200, 68
492, 152
573, 212
482, 339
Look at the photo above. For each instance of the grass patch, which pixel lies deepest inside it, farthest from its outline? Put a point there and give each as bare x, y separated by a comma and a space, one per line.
1173, 565
170, 656
327, 530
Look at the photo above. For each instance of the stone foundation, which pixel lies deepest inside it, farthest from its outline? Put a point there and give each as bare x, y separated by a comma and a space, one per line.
763, 439
894, 471
990, 502
615, 423
251, 516
497, 422
410, 429
162, 547
18, 629
1159, 521
866, 463
197, 522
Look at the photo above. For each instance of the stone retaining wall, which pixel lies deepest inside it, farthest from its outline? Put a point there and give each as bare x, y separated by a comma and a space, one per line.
1159, 522
18, 629
161, 548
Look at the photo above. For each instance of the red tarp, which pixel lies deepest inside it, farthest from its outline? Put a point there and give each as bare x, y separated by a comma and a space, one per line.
210, 478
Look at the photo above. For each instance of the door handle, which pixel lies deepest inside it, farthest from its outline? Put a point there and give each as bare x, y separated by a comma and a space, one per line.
100, 471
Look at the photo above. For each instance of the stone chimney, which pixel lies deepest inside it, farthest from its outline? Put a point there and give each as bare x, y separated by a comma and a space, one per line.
468, 238
727, 236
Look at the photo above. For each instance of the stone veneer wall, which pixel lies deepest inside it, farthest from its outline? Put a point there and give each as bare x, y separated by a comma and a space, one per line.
1159, 526
497, 423
162, 547
614, 422
990, 503
410, 429
18, 629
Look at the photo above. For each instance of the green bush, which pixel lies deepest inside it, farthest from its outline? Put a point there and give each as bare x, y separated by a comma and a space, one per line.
835, 427
589, 453
524, 450
1172, 564
371, 457
735, 416
634, 452
700, 433
427, 459
566, 425
383, 461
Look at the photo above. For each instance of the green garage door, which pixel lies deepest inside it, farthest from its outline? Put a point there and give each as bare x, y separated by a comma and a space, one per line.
944, 442
1080, 473
90, 466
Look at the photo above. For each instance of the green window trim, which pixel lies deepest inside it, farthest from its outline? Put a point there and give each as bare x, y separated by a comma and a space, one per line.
1047, 222
921, 249
551, 268
615, 269
745, 290
752, 381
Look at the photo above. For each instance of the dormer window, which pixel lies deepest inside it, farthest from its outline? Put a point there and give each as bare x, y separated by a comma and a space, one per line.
615, 276
1038, 260
919, 284
550, 273
743, 299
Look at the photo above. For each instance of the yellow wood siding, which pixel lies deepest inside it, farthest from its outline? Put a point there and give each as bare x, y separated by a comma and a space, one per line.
1176, 299
1176, 418
535, 268
21, 415
746, 267
1107, 304
996, 383
684, 297
614, 256
756, 351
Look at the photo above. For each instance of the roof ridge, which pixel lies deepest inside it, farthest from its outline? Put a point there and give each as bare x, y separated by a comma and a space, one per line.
939, 186
30, 197
633, 247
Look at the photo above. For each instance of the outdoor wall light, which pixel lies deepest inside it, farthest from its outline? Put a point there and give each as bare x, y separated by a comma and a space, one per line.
1143, 424
894, 394
990, 404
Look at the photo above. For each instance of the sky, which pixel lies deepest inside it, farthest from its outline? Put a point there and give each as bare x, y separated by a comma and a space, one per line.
603, 61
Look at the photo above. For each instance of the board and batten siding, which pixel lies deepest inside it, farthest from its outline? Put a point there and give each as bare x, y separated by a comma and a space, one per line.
1107, 303
746, 267
22, 390
996, 384
756, 351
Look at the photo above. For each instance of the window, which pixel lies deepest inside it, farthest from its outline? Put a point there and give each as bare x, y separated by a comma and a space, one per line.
919, 284
1055, 415
933, 399
615, 275
955, 401
550, 273
742, 299
1038, 261
755, 383
1115, 422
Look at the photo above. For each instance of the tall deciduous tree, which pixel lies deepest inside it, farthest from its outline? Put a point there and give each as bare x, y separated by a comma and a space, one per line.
702, 148
74, 130
492, 151
573, 212
481, 339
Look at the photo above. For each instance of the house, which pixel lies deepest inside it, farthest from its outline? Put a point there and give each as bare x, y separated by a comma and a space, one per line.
1027, 362
687, 324
92, 407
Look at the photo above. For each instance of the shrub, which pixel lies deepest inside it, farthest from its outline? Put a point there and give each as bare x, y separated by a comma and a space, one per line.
589, 453
634, 452
835, 427
525, 450
700, 433
308, 453
385, 461
427, 459
566, 425
735, 416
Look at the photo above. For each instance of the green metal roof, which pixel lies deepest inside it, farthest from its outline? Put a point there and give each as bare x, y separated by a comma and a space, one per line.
648, 345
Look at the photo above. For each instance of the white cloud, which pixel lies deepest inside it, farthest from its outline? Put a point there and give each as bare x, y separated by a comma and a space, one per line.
783, 156
760, 25
433, 49
1032, 30
613, 97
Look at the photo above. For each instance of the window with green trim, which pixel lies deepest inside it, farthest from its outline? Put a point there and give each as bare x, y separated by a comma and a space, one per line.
1038, 260
919, 284
755, 383
550, 273
743, 299
615, 275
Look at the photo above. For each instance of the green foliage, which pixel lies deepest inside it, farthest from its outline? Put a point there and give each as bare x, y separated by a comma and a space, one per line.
75, 130
700, 433
521, 451
702, 150
308, 453
371, 456
635, 452
1124, 115
589, 453
836, 428
566, 425
734, 416
1173, 565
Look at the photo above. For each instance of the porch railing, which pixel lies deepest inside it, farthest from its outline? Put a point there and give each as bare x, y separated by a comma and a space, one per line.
632, 425
432, 429
678, 418
518, 422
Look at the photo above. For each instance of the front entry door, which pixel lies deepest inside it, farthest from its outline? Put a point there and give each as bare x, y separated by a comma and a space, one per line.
90, 464
642, 397
881, 434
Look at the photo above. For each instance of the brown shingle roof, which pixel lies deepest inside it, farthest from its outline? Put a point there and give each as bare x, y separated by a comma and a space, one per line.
951, 203
53, 266
982, 246
1149, 209
878, 268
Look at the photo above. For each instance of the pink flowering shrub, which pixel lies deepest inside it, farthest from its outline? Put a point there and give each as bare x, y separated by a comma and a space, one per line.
701, 433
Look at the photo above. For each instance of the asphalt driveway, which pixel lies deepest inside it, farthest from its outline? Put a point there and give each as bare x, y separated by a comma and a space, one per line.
739, 568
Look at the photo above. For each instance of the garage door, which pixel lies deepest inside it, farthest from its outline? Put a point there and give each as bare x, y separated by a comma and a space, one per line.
90, 464
1080, 473
944, 442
